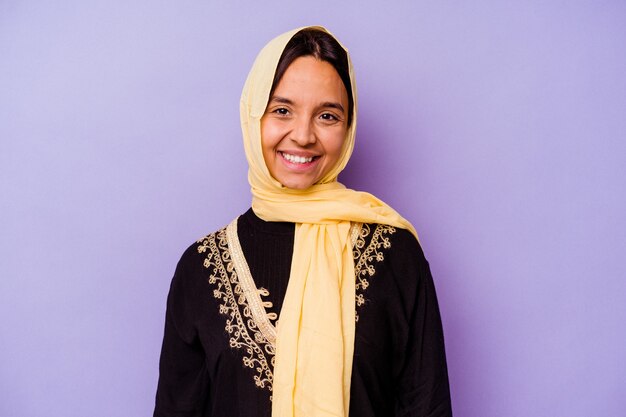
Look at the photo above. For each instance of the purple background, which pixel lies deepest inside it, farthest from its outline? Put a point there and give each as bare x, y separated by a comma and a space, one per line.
498, 130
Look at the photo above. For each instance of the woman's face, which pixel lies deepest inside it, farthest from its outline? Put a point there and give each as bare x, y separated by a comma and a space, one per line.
305, 123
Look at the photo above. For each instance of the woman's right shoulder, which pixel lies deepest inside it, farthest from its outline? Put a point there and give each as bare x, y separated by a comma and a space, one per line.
195, 256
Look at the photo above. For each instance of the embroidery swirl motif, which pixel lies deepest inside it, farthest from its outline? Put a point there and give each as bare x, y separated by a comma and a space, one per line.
366, 257
258, 353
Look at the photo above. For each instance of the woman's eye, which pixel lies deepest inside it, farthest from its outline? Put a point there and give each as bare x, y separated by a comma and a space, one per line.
281, 111
329, 117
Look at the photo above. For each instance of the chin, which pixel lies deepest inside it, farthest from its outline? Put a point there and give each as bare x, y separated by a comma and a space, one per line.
296, 186
296, 183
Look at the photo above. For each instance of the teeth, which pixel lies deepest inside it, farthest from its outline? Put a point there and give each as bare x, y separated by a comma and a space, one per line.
297, 159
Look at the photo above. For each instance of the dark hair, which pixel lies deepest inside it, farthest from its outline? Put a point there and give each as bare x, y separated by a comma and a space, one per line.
321, 45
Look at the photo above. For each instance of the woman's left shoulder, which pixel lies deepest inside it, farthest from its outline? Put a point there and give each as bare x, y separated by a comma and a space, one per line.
381, 247
390, 265
396, 241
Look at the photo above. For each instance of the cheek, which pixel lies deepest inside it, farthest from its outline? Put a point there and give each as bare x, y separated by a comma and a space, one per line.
266, 146
264, 133
270, 135
334, 144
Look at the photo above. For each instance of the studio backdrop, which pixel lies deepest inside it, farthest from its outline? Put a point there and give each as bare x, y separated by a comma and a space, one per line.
497, 128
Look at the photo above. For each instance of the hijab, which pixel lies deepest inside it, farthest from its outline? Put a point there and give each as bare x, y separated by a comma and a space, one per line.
316, 326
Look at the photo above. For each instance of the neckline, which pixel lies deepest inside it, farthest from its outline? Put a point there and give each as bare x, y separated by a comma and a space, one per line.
248, 286
255, 222
250, 291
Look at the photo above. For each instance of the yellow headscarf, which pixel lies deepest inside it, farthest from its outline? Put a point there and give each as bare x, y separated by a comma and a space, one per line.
315, 338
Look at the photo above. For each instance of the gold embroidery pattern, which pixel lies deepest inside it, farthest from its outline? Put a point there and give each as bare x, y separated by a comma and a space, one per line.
242, 325
366, 257
250, 291
244, 333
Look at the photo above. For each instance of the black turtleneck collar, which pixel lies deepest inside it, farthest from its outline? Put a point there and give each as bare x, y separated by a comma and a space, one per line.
261, 225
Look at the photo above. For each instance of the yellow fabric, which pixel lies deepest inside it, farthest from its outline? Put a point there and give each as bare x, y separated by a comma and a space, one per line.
315, 339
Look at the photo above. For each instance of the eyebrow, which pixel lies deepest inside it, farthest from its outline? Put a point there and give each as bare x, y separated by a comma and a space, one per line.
333, 105
284, 100
278, 99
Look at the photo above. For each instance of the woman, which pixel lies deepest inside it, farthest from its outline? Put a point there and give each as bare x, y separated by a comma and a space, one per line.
318, 300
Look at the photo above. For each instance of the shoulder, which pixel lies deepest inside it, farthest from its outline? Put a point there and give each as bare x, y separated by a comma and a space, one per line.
203, 247
394, 252
390, 269
197, 258
396, 242
393, 249
406, 245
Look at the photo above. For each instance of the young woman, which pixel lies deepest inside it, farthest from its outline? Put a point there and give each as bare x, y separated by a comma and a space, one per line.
317, 301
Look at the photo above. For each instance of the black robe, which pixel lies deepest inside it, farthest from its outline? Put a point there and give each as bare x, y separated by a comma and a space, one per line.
215, 361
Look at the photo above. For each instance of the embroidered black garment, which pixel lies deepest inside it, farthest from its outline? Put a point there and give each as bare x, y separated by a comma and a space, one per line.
217, 356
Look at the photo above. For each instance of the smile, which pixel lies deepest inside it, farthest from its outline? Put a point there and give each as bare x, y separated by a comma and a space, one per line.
295, 159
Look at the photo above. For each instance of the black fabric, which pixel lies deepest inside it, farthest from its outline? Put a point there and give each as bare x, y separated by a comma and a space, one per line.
268, 249
399, 366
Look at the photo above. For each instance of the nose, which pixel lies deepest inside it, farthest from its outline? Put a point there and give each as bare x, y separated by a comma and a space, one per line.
303, 133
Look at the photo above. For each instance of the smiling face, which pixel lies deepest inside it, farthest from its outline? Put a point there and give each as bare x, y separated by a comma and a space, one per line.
305, 123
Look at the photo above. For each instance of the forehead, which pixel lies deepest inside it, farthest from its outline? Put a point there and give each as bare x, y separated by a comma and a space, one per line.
309, 76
